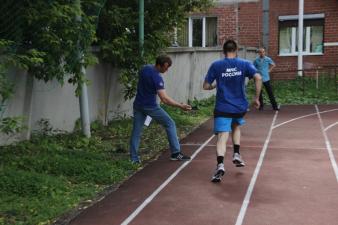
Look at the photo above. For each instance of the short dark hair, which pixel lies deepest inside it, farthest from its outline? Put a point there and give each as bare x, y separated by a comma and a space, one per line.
160, 60
229, 46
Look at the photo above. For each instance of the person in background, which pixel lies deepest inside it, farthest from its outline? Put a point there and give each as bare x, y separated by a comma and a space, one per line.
150, 85
265, 65
228, 76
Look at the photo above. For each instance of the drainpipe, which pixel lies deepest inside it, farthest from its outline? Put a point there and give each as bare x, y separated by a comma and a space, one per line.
266, 25
300, 37
83, 98
141, 26
236, 6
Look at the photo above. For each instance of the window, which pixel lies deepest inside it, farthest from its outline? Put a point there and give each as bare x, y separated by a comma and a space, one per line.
312, 36
198, 32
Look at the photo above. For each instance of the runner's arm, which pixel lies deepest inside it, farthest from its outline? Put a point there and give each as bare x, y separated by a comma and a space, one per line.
207, 86
258, 85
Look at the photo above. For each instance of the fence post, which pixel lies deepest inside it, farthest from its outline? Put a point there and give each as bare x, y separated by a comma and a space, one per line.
83, 98
191, 77
28, 106
335, 78
317, 85
303, 81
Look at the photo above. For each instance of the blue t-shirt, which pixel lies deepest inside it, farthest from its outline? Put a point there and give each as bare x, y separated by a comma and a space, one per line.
230, 77
150, 81
263, 65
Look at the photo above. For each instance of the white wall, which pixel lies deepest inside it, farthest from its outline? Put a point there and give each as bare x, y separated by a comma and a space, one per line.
36, 100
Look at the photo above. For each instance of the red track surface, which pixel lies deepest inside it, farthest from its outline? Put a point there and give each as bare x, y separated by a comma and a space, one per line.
289, 179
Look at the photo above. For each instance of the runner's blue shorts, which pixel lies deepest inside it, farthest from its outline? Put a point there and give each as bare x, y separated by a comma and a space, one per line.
222, 124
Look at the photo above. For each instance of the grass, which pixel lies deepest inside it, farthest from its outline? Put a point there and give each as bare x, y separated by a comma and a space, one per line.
303, 90
55, 172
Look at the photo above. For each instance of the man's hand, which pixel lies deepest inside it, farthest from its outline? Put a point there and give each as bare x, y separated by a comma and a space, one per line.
185, 107
207, 86
256, 103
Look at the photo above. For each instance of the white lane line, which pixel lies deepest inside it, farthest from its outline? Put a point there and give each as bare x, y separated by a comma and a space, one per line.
248, 194
160, 188
260, 146
297, 118
328, 145
194, 144
332, 125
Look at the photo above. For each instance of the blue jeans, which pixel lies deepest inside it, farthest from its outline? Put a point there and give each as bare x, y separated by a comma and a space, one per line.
160, 116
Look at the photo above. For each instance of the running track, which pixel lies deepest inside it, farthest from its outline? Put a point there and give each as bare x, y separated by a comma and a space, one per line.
291, 177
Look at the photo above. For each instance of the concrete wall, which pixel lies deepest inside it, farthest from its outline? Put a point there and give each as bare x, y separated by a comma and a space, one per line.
36, 100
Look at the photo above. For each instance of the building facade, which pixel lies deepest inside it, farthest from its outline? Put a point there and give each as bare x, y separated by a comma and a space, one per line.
272, 24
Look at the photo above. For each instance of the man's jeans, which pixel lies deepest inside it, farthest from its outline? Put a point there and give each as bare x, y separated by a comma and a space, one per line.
159, 115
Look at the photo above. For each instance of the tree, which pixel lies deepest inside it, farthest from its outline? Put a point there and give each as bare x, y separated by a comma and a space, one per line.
118, 33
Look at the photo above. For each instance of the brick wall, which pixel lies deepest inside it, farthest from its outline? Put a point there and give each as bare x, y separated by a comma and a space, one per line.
249, 31
240, 22
290, 7
250, 24
226, 19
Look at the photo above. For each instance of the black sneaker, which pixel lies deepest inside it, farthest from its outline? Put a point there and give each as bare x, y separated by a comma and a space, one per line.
179, 157
218, 173
277, 108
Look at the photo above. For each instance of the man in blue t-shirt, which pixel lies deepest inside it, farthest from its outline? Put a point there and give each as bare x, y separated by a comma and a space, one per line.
228, 77
264, 65
150, 85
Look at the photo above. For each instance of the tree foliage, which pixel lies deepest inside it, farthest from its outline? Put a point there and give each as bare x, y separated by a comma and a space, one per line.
53, 43
117, 33
8, 125
50, 37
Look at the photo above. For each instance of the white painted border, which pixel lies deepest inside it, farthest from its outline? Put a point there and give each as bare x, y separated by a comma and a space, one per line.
163, 185
306, 16
331, 44
248, 194
330, 126
297, 118
328, 145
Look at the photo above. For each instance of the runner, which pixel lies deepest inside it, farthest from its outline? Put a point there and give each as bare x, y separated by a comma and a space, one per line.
228, 76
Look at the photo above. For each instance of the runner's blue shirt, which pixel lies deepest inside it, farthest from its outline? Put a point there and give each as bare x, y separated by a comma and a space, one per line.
150, 81
230, 74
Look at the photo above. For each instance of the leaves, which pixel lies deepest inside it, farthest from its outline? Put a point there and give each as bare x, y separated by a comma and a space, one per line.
118, 33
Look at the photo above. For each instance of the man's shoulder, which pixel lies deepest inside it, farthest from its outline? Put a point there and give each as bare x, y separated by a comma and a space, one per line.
243, 62
149, 70
147, 67
217, 62
268, 58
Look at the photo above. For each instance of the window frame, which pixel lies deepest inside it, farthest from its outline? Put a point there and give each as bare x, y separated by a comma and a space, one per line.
307, 34
190, 30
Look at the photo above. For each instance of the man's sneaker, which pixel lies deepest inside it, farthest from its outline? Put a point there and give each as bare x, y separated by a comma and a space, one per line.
136, 162
179, 157
218, 173
237, 160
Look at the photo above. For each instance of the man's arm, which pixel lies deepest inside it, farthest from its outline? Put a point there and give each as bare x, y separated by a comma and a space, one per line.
166, 99
207, 86
271, 66
258, 85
